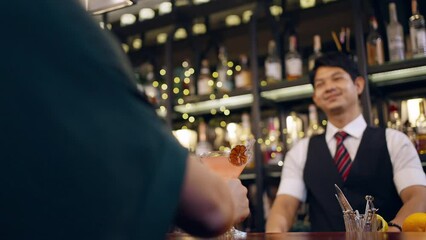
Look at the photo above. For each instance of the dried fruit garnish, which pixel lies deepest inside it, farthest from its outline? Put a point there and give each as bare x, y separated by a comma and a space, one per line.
238, 155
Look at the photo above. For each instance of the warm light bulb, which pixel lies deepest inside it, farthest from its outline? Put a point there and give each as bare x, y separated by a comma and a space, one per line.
307, 3
164, 8
180, 34
232, 20
137, 43
146, 13
199, 28
196, 2
276, 10
127, 19
247, 16
161, 38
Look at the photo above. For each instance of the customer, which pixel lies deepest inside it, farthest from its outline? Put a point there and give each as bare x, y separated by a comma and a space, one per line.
83, 156
381, 162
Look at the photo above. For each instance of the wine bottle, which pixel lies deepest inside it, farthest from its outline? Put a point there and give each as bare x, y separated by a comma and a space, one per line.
293, 61
203, 145
243, 77
421, 129
273, 67
314, 128
374, 44
417, 31
317, 52
224, 81
205, 81
394, 118
395, 36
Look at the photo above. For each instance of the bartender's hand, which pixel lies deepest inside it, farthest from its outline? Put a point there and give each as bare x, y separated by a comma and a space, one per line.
239, 197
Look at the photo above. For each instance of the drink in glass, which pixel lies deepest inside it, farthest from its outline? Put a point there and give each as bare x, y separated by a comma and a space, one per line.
229, 165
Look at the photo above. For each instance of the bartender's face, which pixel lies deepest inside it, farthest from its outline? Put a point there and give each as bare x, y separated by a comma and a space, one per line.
334, 90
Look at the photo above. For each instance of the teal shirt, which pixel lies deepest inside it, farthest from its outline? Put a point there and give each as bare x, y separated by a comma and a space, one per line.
82, 155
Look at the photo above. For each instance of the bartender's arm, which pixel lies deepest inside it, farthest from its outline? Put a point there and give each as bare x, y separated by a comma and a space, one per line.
413, 199
282, 213
409, 177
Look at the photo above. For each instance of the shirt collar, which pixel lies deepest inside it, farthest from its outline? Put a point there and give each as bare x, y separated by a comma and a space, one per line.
354, 128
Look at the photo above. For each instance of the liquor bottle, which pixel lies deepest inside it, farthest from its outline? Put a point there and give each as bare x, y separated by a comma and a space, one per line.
395, 36
205, 82
421, 129
317, 52
294, 129
272, 149
273, 67
243, 77
245, 128
203, 145
146, 80
417, 31
394, 118
293, 61
374, 44
314, 128
224, 81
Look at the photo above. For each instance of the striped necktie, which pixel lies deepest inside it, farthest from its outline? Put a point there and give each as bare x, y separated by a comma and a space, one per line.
342, 158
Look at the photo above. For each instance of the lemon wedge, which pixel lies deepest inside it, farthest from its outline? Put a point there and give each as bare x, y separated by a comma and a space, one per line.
382, 225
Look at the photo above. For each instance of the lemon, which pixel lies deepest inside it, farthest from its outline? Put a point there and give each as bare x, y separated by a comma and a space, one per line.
415, 222
382, 224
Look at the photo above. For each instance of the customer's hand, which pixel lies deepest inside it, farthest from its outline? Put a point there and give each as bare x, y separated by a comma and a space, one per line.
239, 197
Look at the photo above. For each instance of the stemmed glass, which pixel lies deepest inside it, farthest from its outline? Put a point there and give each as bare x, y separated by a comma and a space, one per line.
230, 165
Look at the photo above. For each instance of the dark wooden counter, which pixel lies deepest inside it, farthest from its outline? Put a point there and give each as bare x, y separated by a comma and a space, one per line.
320, 236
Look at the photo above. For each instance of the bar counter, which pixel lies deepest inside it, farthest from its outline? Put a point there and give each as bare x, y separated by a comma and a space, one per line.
318, 236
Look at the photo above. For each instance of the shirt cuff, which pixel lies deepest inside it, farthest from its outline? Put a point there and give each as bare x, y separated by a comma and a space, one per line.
409, 177
294, 188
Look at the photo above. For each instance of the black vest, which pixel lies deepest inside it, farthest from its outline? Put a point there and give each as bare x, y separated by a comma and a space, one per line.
371, 174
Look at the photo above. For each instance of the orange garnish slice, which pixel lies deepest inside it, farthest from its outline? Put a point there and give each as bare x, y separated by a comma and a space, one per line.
238, 155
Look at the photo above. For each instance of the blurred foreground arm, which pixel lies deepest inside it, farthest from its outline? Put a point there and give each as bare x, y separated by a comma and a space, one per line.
413, 199
282, 213
208, 205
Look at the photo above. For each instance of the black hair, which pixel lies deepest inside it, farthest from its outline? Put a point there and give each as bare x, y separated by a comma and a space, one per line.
335, 59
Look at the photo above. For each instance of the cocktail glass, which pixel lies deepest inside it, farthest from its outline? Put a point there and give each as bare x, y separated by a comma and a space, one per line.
229, 165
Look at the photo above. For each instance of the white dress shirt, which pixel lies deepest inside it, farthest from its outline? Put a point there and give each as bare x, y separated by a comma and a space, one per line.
407, 168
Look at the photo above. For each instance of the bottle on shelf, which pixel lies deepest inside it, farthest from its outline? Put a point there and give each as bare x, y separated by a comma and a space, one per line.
394, 118
205, 82
246, 133
294, 126
293, 61
314, 128
395, 35
407, 127
224, 81
417, 31
375, 53
273, 67
421, 129
317, 52
203, 145
272, 149
243, 76
145, 83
